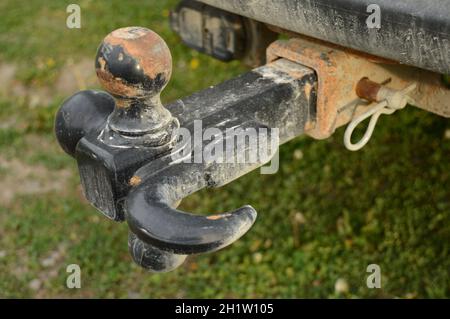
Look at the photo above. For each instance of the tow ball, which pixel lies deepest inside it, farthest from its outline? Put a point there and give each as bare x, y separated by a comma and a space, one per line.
136, 166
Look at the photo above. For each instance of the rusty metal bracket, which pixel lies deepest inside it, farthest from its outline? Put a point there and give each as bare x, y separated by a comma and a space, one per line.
339, 70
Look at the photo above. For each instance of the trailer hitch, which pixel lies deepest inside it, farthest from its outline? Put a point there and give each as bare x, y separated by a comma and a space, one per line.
136, 157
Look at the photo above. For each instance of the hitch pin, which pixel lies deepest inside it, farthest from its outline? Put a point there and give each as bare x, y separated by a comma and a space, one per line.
386, 101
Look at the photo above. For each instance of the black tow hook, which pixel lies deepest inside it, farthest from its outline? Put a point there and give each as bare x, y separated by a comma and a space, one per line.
136, 163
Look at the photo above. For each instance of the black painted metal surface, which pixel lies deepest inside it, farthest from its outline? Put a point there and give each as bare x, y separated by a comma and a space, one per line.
414, 32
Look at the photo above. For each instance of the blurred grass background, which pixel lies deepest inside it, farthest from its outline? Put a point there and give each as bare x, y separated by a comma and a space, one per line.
323, 218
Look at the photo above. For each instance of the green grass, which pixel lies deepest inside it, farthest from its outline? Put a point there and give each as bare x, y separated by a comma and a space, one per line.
387, 204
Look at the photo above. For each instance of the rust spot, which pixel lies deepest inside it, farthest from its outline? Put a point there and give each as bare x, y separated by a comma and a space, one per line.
367, 89
145, 46
135, 181
102, 63
114, 85
122, 103
129, 33
307, 88
214, 217
310, 125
